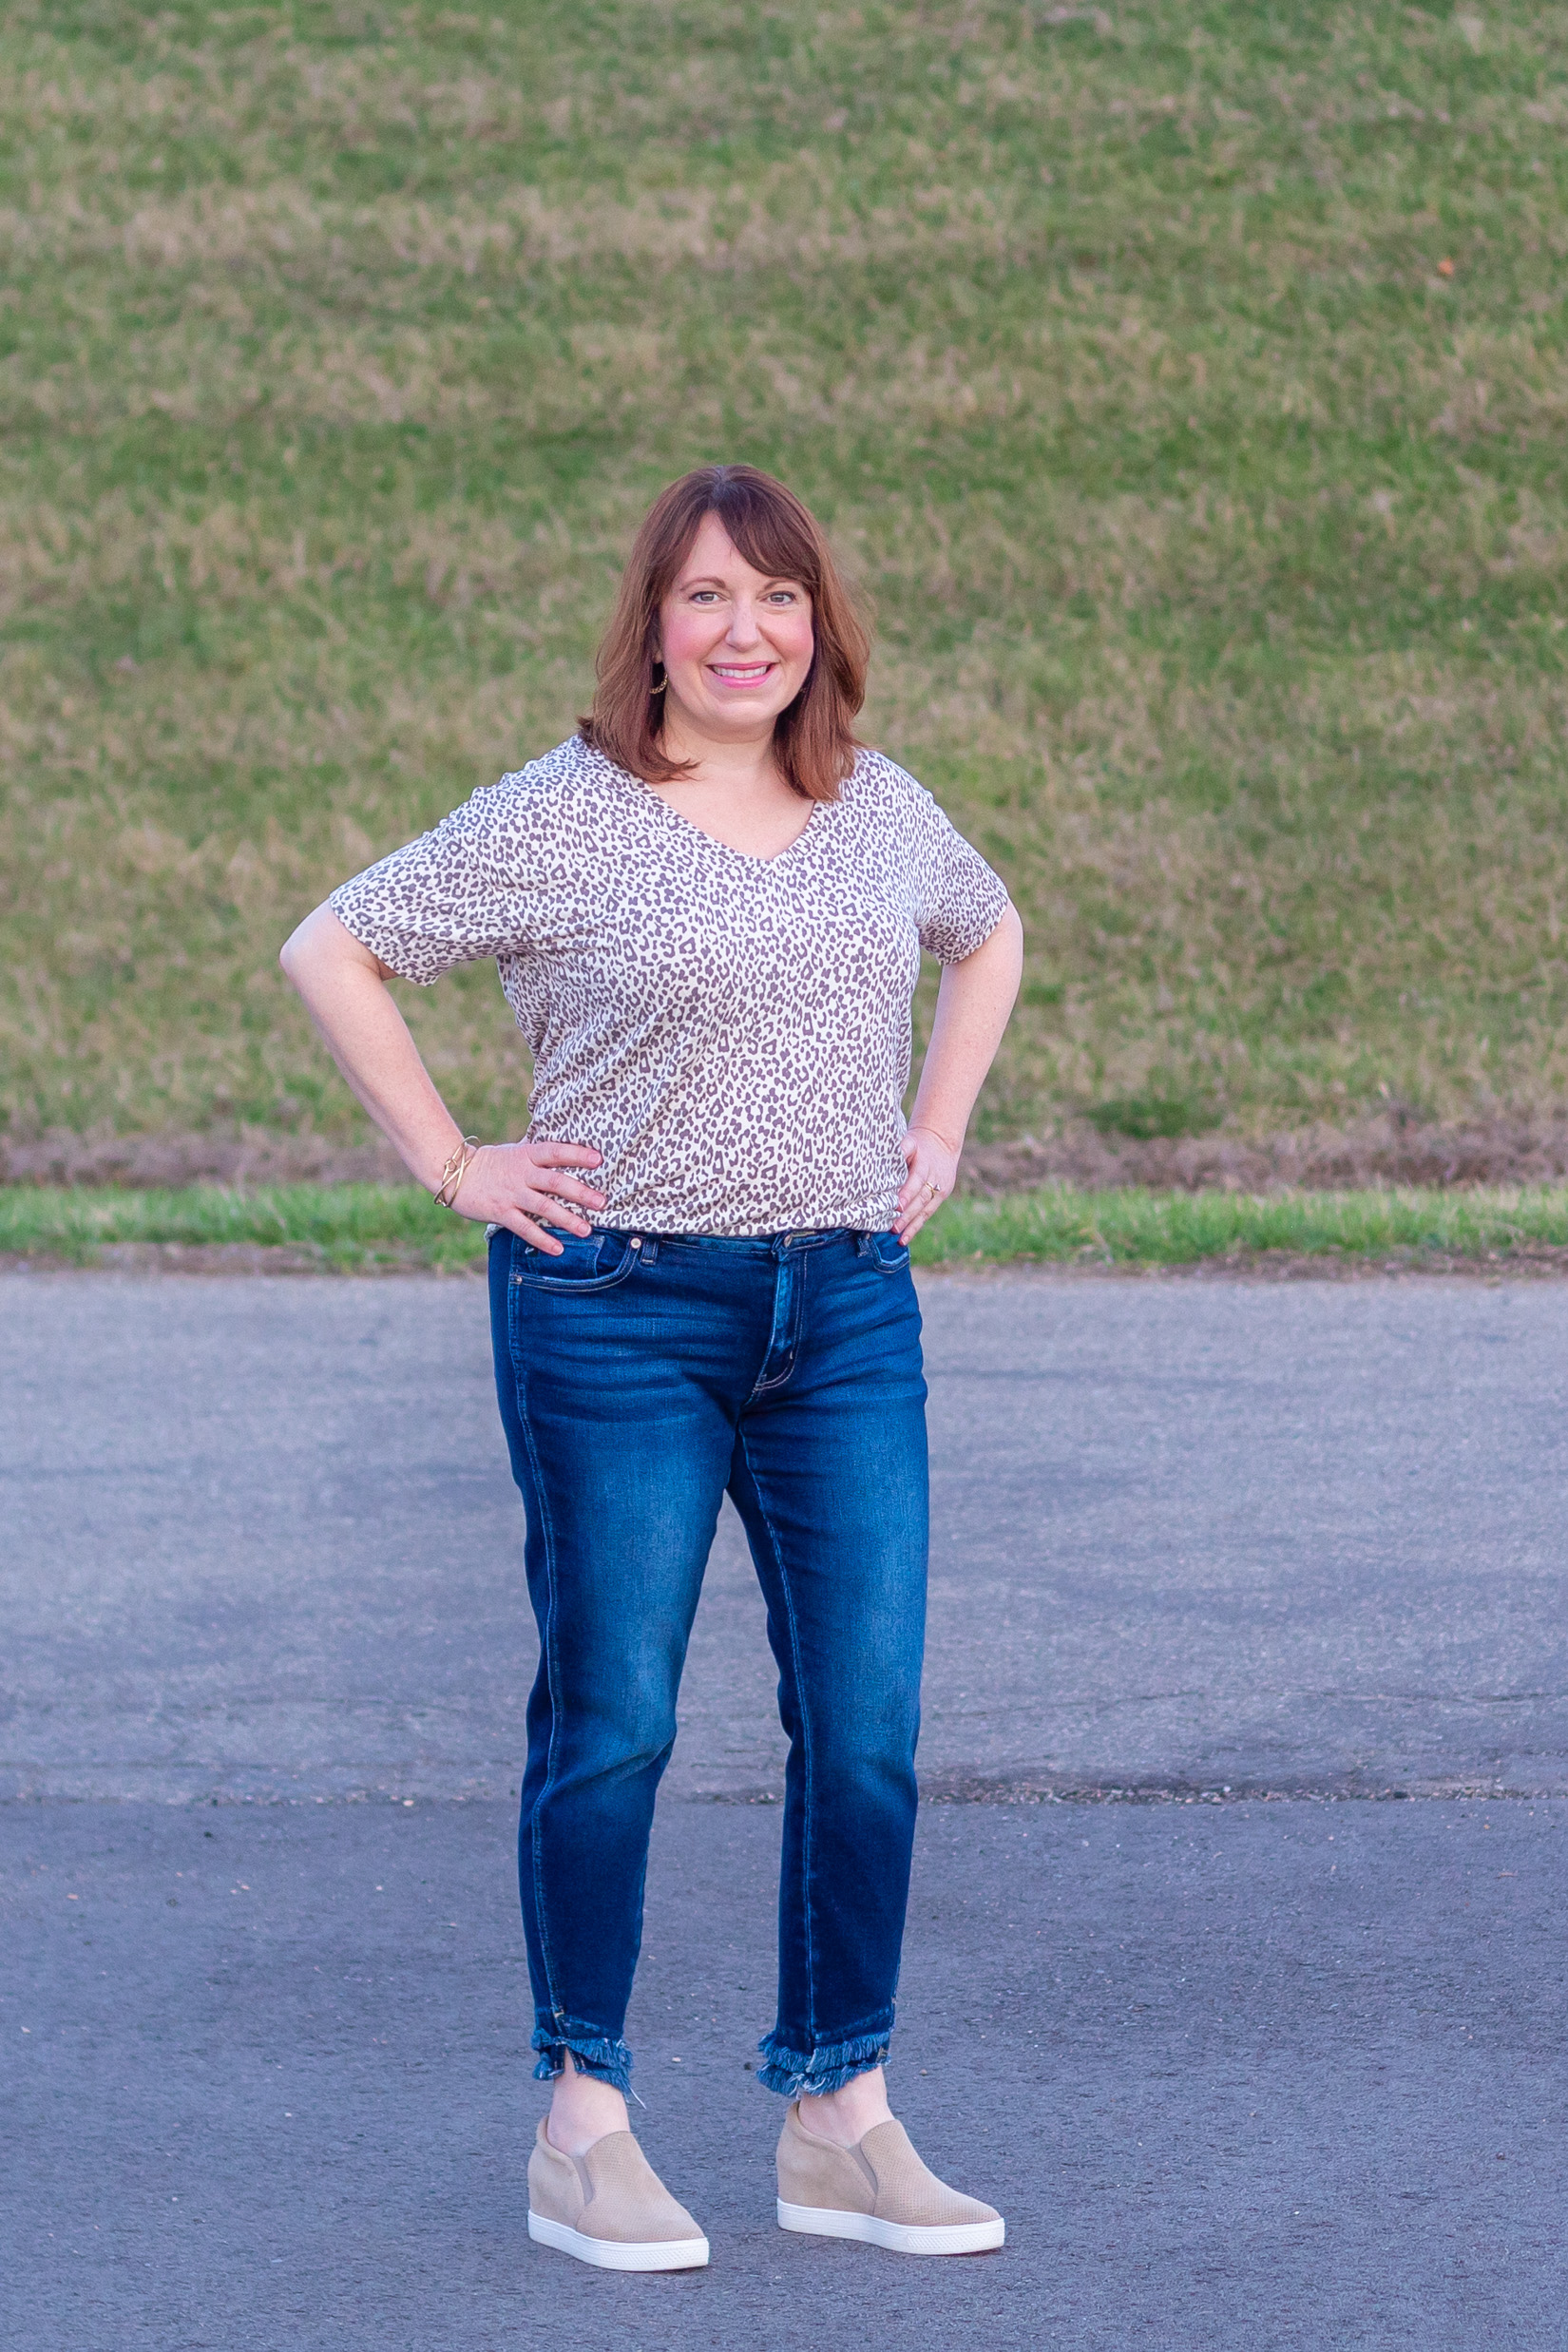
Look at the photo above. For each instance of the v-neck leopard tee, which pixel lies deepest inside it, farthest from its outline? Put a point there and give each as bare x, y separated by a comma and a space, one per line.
731, 1033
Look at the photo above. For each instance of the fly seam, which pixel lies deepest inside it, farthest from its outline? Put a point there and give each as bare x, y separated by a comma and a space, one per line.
785, 1292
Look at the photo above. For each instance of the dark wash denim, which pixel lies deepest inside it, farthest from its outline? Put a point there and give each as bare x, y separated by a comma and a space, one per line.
639, 1378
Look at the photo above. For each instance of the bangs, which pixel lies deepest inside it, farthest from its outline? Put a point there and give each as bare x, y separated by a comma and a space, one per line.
762, 527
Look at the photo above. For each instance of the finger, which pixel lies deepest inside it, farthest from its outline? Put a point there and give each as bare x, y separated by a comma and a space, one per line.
568, 1188
922, 1194
557, 1213
565, 1155
923, 1207
527, 1230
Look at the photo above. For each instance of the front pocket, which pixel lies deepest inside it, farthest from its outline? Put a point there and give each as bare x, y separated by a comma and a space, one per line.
888, 1252
596, 1264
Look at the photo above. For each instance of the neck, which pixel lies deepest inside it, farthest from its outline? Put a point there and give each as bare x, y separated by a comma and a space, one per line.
726, 760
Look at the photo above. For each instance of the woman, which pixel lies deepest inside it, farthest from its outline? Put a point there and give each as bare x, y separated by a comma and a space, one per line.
708, 909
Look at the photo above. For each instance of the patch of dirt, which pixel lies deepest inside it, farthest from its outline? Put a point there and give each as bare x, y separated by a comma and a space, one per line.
1535, 1261
235, 1257
1397, 1146
1532, 1261
1393, 1147
226, 1155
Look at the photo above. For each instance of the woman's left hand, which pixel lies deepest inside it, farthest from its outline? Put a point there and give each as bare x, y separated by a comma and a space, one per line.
934, 1171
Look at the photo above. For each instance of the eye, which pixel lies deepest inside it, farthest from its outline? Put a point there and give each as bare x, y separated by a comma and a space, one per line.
704, 595
782, 596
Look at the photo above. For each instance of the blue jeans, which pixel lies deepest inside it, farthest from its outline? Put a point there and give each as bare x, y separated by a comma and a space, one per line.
641, 1378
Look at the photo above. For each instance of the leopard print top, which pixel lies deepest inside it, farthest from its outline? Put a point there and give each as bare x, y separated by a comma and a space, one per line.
731, 1033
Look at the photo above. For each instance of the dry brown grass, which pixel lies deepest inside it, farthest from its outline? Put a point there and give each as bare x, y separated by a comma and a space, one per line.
1216, 534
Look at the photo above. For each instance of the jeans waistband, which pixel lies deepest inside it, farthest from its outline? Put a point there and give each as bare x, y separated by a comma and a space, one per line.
740, 1245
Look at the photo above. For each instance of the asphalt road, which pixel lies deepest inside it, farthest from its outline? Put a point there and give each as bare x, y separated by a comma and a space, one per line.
1282, 2069
1298, 1538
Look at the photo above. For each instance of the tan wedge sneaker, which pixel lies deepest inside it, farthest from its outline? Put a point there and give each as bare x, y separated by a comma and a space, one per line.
879, 2193
610, 2209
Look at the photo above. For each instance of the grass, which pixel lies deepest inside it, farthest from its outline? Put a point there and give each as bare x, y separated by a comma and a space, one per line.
1185, 383
1137, 1228
357, 1226
352, 1227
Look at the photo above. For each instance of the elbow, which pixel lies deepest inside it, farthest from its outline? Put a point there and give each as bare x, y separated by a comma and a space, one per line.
288, 957
1010, 961
320, 954
303, 949
300, 953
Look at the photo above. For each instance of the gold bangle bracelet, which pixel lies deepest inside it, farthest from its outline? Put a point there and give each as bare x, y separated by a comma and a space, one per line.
455, 1170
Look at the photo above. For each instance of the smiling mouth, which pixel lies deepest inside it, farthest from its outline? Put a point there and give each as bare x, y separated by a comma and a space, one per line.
741, 672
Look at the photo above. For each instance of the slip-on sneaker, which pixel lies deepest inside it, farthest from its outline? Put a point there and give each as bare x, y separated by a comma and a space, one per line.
879, 2193
610, 2208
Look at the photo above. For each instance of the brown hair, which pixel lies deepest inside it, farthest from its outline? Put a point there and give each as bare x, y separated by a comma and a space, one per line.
813, 741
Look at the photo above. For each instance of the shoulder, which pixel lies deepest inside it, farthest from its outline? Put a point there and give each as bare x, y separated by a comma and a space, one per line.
556, 778
878, 785
880, 792
546, 791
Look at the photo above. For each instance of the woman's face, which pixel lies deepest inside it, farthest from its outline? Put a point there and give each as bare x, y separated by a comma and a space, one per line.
736, 645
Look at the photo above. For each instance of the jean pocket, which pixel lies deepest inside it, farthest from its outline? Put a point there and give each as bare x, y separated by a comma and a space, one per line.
594, 1263
888, 1252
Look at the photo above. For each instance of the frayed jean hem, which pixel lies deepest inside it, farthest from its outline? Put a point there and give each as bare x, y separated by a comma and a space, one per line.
592, 2053
796, 2074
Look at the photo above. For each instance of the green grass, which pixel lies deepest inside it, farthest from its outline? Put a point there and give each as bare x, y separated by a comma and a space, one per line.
352, 1227
357, 1226
1137, 1228
1218, 533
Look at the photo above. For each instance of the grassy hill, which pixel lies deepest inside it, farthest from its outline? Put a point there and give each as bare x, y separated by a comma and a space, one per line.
1185, 383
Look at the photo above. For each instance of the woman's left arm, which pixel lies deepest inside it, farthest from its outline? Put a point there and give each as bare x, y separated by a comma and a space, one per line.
973, 1006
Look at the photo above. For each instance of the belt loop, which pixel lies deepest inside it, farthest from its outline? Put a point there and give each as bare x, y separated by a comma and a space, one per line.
647, 1248
863, 1245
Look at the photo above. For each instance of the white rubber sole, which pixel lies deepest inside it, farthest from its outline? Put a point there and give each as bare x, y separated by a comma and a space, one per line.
818, 2221
613, 2253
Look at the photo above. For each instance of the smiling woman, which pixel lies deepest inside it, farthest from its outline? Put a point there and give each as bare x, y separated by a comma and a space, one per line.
708, 909
731, 614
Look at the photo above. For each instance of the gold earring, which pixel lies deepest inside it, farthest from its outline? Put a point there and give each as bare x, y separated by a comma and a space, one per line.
662, 683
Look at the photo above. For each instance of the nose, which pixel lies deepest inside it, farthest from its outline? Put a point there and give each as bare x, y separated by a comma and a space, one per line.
744, 631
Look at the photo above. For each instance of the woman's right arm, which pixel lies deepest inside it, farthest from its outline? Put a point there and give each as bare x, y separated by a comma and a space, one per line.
518, 1185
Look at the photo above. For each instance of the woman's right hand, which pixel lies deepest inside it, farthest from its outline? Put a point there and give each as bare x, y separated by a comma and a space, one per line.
525, 1186
517, 1185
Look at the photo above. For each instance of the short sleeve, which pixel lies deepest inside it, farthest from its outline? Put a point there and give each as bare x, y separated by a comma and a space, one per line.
459, 892
959, 899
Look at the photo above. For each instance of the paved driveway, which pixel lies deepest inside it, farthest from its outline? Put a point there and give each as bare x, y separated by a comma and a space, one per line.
1273, 2069
1298, 1538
